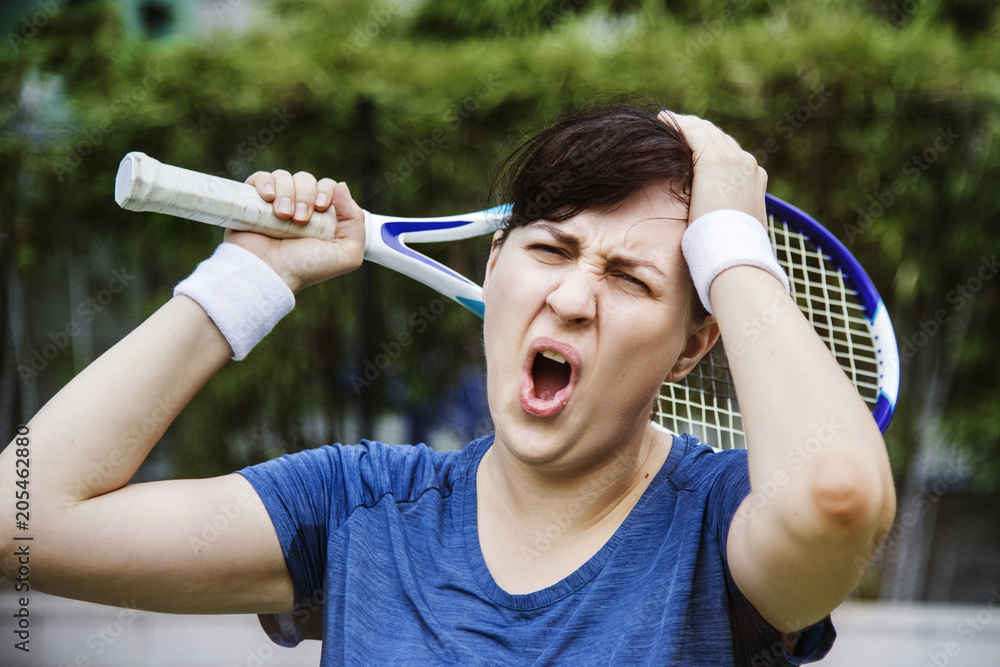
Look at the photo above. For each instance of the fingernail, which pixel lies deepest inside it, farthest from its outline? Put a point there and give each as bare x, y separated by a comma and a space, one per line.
321, 199
268, 189
285, 205
301, 211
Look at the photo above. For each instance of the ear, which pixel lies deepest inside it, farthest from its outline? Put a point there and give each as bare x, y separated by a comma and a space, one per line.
699, 342
494, 255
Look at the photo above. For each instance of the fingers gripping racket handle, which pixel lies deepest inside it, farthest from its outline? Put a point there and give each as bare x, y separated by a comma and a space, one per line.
146, 184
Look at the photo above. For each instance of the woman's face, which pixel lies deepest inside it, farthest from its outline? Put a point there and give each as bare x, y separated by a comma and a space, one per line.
585, 319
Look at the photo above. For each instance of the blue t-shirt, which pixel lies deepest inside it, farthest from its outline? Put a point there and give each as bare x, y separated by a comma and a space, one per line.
383, 550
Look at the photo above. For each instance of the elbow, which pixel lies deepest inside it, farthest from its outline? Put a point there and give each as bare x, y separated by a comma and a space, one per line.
854, 505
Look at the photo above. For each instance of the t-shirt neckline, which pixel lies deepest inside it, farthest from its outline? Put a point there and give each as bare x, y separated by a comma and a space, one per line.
468, 502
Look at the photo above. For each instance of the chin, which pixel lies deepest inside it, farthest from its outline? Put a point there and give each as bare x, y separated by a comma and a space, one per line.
533, 442
537, 452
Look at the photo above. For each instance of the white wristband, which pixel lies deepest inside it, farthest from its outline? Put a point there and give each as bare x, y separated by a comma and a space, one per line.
720, 240
241, 293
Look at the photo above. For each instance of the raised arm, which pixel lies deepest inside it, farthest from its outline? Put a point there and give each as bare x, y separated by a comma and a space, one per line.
97, 538
822, 492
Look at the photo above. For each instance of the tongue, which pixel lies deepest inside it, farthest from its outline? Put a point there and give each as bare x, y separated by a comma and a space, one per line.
549, 377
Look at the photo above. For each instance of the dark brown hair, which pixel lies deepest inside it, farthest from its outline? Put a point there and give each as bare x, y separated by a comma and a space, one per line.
594, 159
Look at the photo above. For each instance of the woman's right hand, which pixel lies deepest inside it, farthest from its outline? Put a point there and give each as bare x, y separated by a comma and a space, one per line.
303, 262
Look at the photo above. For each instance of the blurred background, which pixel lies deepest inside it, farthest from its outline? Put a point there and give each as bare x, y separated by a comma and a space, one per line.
880, 118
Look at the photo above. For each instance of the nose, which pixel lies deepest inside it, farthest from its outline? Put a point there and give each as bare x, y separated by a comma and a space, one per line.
574, 299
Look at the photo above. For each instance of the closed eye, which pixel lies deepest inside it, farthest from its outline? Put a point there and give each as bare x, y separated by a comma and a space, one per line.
634, 283
546, 249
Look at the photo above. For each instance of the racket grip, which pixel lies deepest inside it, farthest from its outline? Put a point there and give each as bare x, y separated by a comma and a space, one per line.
146, 184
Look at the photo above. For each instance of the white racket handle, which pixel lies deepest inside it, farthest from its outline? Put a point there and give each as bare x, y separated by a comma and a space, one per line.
146, 184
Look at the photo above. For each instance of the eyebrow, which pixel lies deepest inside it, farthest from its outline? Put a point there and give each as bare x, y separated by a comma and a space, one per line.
617, 260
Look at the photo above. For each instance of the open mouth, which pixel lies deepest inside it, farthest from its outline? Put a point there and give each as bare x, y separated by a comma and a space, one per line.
550, 373
548, 379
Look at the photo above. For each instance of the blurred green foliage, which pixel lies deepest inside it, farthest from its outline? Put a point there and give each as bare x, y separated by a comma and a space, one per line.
841, 103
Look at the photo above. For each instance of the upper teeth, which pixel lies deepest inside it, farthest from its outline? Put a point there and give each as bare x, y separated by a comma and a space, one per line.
554, 356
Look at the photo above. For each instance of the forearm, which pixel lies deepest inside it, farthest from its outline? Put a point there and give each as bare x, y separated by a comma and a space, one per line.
812, 442
91, 437
821, 489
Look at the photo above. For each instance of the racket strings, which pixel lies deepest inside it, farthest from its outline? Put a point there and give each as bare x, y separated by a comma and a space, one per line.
820, 289
704, 404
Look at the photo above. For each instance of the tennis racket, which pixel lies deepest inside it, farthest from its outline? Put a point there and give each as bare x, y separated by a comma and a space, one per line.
828, 284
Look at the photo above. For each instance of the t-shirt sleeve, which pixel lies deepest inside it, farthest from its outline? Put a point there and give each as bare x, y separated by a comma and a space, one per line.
298, 491
310, 494
755, 641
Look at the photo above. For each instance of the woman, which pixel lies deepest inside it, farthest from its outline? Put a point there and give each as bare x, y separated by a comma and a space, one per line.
578, 532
